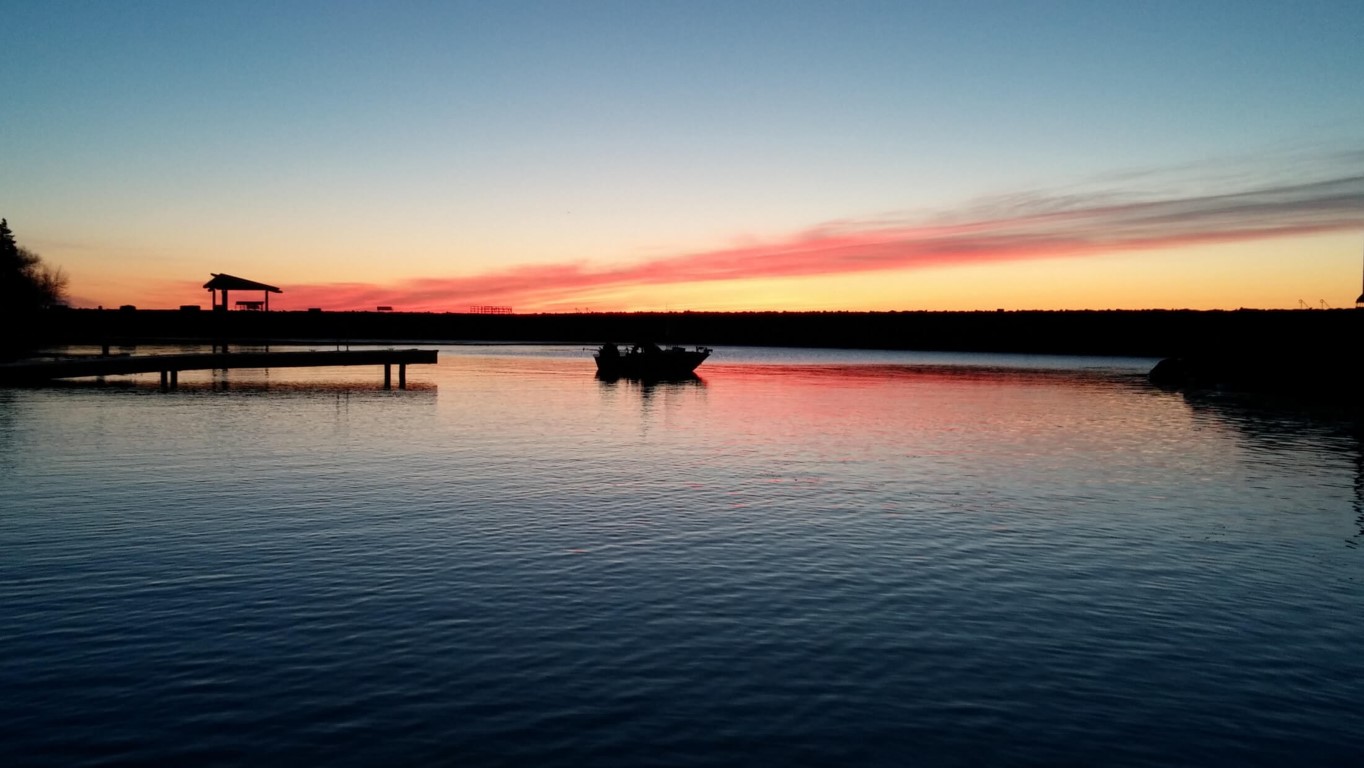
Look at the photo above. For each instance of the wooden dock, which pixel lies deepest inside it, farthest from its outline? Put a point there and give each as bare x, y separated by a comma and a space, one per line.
169, 366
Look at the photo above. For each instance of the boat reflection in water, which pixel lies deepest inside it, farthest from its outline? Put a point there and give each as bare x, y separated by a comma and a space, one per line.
649, 362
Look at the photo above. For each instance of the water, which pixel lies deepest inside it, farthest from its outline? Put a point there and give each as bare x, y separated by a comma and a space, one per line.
807, 558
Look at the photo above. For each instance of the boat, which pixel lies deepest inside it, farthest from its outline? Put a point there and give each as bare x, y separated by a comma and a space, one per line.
648, 361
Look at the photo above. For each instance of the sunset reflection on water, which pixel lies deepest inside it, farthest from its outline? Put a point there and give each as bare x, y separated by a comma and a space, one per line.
806, 555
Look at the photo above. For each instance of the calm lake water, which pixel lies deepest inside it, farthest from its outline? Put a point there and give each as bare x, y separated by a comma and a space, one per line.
805, 558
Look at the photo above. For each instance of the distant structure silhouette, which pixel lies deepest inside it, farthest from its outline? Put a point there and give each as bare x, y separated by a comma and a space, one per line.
1359, 302
226, 283
489, 309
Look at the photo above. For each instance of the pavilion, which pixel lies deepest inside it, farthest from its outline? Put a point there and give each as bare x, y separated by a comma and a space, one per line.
225, 283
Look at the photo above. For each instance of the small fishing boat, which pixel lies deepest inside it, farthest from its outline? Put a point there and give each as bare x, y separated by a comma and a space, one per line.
648, 361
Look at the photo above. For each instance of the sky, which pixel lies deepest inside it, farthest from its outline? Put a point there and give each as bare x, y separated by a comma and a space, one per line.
707, 156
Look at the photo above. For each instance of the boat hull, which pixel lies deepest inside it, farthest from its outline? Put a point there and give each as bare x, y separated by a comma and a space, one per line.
674, 363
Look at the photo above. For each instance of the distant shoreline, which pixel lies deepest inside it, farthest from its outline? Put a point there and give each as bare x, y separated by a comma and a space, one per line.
1327, 334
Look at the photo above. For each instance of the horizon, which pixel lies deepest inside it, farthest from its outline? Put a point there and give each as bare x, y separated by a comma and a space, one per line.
510, 312
608, 157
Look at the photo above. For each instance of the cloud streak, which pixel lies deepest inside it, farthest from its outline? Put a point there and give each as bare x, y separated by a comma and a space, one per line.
1020, 227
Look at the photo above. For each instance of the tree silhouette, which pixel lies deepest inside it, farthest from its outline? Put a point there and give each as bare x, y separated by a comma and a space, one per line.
27, 287
26, 284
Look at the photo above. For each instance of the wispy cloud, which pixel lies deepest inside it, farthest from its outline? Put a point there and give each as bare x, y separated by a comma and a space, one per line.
1036, 225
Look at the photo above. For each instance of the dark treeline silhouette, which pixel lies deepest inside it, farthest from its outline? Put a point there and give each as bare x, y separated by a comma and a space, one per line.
1279, 337
27, 288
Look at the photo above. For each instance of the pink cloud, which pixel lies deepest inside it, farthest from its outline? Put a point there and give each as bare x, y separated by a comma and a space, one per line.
1019, 228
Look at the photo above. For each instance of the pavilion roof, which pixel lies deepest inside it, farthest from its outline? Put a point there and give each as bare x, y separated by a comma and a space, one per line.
227, 282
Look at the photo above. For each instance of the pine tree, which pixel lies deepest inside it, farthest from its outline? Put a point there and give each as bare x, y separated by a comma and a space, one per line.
26, 284
27, 287
8, 248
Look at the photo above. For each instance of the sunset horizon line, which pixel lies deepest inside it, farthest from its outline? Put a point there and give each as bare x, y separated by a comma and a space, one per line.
1033, 227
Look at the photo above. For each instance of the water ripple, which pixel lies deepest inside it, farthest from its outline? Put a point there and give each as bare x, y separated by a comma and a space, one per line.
800, 561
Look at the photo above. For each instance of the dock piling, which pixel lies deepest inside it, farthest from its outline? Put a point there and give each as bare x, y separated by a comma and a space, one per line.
169, 366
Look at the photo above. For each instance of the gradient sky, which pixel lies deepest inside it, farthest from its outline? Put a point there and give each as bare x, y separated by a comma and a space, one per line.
554, 156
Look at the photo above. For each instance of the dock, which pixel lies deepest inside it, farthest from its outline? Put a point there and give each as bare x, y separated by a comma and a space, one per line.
169, 366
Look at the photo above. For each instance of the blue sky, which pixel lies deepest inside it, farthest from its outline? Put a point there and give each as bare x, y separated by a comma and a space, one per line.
369, 143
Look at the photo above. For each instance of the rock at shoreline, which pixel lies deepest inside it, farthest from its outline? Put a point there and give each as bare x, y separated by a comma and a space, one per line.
1275, 373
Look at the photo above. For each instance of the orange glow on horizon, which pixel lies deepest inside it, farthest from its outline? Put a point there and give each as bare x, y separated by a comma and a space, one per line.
1218, 251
